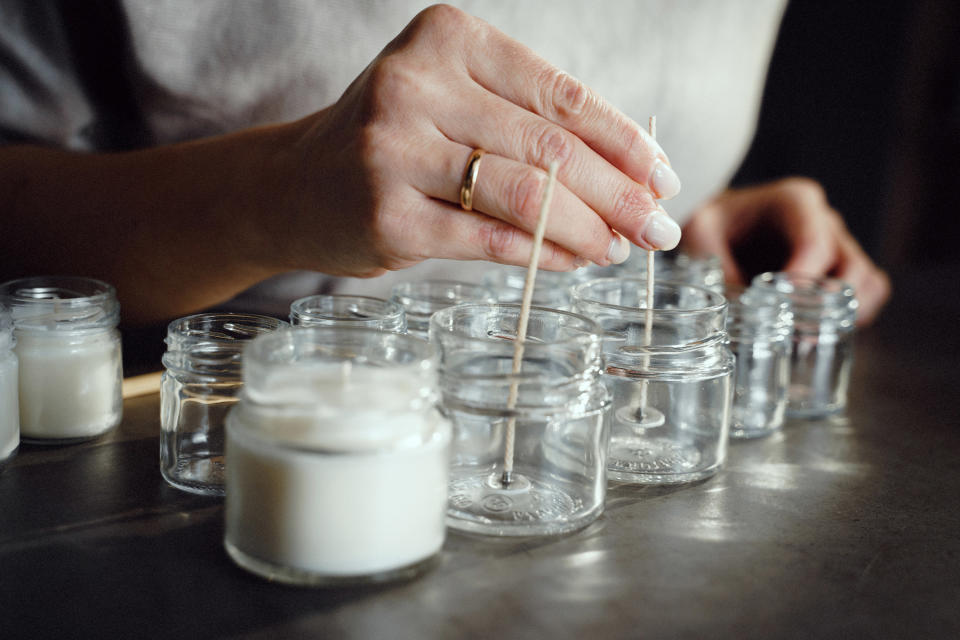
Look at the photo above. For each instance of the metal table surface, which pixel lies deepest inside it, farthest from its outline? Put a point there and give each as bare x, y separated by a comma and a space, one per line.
843, 528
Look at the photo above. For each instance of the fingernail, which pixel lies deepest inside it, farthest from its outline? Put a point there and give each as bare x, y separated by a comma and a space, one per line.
661, 231
619, 250
664, 180
580, 263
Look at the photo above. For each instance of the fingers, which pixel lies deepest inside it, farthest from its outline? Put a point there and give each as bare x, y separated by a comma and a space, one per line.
511, 192
854, 266
540, 88
708, 233
447, 231
509, 131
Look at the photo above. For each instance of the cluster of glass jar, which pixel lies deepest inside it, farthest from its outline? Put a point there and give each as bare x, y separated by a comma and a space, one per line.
60, 366
372, 425
357, 435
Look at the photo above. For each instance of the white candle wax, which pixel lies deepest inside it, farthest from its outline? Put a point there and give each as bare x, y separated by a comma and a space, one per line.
9, 407
70, 383
353, 486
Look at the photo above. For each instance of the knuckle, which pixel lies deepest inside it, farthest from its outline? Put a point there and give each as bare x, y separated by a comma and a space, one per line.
392, 78
552, 143
443, 15
632, 202
805, 190
498, 240
565, 96
523, 196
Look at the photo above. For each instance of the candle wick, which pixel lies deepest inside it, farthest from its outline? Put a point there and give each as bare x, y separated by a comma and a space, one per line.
648, 313
518, 345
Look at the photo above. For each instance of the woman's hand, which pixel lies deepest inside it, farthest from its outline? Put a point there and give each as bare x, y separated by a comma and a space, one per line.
376, 177
786, 225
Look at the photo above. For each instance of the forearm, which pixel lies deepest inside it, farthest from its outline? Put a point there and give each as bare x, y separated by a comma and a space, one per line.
174, 228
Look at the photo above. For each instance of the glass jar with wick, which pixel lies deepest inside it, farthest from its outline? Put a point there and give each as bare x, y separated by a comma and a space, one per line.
824, 315
672, 392
202, 381
338, 458
68, 348
529, 447
348, 311
9, 403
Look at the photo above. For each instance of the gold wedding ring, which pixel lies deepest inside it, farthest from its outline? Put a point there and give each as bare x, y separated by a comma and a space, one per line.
470, 179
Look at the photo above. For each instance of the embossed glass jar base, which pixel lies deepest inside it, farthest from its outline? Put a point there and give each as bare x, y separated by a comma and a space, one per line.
549, 492
677, 441
203, 474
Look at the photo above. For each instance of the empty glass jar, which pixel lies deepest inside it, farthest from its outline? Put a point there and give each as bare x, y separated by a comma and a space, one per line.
422, 299
201, 383
759, 325
529, 448
68, 348
824, 313
9, 404
671, 394
551, 288
338, 457
348, 311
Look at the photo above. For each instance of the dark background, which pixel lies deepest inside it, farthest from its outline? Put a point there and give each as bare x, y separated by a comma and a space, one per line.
865, 98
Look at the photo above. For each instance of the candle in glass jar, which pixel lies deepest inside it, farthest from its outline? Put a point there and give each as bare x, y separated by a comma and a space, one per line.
336, 471
68, 347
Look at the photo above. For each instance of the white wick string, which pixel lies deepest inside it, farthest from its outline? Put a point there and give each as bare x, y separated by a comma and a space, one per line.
648, 314
518, 344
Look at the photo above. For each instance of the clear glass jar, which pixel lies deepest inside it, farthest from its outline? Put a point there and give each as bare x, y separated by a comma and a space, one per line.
68, 348
556, 426
338, 457
671, 396
348, 311
202, 381
551, 288
422, 299
9, 403
669, 266
824, 314
759, 326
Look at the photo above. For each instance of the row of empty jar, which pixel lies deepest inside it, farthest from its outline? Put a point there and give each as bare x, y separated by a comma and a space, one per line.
60, 364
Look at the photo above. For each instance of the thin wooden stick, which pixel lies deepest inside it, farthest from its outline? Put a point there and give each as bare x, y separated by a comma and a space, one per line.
518, 344
648, 314
142, 385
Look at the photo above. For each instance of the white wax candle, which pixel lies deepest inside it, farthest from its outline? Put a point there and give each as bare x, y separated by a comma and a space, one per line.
356, 485
70, 383
9, 407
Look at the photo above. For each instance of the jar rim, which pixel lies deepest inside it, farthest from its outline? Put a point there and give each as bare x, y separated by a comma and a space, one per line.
264, 348
426, 292
226, 328
716, 302
804, 284
325, 307
60, 303
590, 332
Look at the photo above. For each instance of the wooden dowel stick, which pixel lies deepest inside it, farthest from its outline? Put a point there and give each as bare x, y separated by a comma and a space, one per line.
518, 344
141, 385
